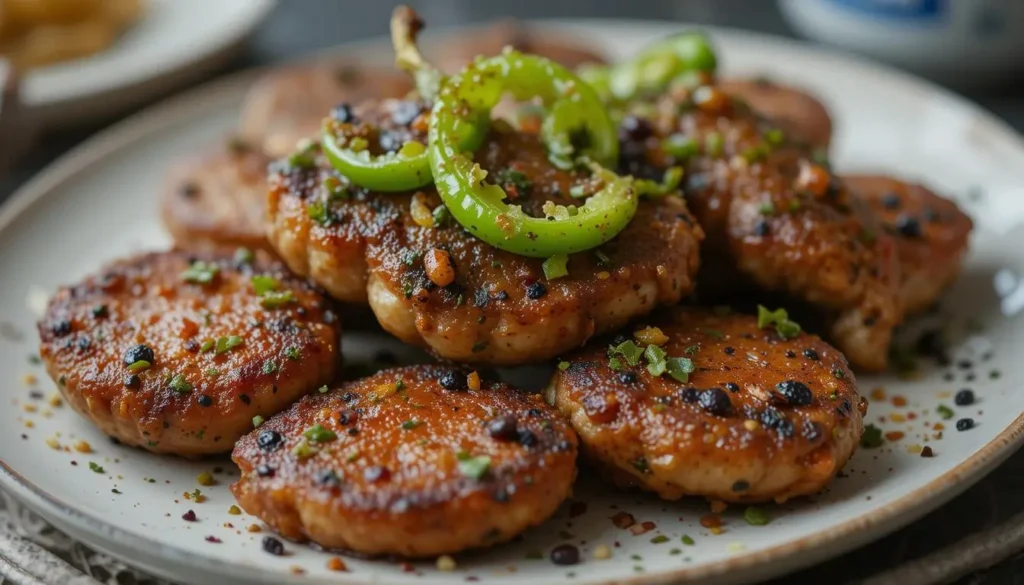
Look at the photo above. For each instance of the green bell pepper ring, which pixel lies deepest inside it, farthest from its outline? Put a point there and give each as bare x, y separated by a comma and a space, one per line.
405, 170
572, 108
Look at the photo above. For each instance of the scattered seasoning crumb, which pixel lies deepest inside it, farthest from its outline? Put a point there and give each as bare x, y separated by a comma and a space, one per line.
643, 528
897, 417
755, 516
623, 520
95, 467
446, 563
189, 516
213, 539
82, 446
53, 443
735, 547
205, 479
30, 408
718, 506
273, 546
659, 539
297, 570
115, 491
29, 424
29, 379
927, 452
235, 511
687, 540
944, 411
899, 401
602, 551
872, 437
336, 564
254, 528
55, 400
894, 435
711, 521
915, 449
878, 394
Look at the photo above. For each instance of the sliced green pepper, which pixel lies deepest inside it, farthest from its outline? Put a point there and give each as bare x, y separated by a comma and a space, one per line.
409, 168
573, 111
670, 60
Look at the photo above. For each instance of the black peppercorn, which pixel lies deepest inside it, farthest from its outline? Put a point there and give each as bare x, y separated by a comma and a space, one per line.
565, 554
740, 486
343, 113
627, 377
327, 477
715, 401
761, 228
273, 546
138, 353
526, 438
689, 395
729, 350
132, 382
891, 200
964, 397
264, 470
909, 226
635, 128
453, 380
503, 428
269, 440
811, 354
205, 400
732, 387
536, 290
965, 424
61, 328
796, 393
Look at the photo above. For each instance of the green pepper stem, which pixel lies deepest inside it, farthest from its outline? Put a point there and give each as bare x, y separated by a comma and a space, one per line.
406, 25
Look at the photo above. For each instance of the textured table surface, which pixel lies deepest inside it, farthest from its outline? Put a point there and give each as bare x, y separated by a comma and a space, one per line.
300, 26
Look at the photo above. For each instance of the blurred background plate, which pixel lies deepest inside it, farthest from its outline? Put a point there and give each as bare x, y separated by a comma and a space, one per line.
174, 42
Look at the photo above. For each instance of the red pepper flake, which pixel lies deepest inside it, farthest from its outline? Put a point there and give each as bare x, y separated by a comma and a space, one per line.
911, 415
927, 452
894, 435
638, 529
189, 516
623, 520
297, 570
878, 394
711, 521
336, 564
577, 509
407, 567
213, 539
899, 401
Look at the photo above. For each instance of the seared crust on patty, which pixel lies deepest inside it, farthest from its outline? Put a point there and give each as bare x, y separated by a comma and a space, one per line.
760, 417
931, 234
217, 198
499, 308
216, 355
415, 461
801, 115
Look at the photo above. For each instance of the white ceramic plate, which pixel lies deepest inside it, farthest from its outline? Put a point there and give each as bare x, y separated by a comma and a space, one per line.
99, 203
173, 41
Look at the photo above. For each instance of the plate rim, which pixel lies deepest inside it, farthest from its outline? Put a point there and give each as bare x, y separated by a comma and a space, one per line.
772, 561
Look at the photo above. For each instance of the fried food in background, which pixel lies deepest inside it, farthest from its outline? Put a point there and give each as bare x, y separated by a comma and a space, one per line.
36, 33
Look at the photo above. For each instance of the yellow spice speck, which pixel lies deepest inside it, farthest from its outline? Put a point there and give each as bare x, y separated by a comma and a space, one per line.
82, 446
751, 425
55, 399
254, 528
716, 530
914, 449
53, 443
446, 563
29, 379
602, 551
234, 511
29, 408
29, 424
603, 275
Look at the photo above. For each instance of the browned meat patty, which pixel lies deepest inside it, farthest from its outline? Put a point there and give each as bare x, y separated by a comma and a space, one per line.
799, 114
774, 216
931, 234
416, 461
759, 417
494, 307
287, 105
217, 198
161, 359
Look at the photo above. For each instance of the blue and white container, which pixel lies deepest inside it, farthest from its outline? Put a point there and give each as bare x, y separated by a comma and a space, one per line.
961, 42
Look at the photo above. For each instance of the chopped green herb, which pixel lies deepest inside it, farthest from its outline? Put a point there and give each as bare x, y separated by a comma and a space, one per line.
714, 144
616, 364
34, 359
179, 384
270, 367
292, 352
680, 147
303, 450
410, 425
207, 345
794, 204
756, 153
96, 467
399, 385
274, 300
669, 183
317, 211
780, 319
838, 372
99, 311
225, 344
675, 551
324, 389
692, 349
556, 266
563, 365
318, 434
945, 412
115, 491
138, 366
473, 467
767, 208
628, 350
212, 372
263, 284
872, 437
257, 421
641, 465
244, 256
659, 539
755, 516
679, 368
655, 360
200, 272
511, 177
775, 136
688, 541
